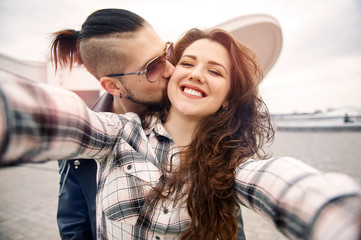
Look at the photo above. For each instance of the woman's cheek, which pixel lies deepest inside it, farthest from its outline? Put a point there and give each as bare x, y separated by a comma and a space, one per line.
172, 86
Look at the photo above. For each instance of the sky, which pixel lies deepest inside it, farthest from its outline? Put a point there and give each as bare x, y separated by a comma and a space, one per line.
319, 67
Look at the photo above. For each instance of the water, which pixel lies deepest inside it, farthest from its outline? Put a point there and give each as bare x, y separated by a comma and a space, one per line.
326, 151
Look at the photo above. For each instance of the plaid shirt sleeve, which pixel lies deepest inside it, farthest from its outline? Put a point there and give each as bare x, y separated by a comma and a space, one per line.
303, 202
39, 122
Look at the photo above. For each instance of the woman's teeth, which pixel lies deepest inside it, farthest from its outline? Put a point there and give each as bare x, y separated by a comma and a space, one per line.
192, 92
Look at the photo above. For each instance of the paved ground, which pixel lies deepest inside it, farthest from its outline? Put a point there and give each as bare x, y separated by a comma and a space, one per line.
28, 204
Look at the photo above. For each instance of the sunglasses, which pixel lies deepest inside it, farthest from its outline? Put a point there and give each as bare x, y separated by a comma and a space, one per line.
155, 67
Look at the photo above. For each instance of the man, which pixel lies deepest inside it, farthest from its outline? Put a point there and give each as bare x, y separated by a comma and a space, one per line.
111, 42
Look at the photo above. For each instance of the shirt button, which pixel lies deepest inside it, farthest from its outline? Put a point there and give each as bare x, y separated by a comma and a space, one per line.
129, 166
165, 211
157, 237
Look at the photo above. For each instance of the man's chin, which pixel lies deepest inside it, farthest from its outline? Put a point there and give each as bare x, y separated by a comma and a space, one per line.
152, 104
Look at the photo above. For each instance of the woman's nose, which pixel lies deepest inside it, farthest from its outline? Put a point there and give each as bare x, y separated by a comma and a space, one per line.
196, 75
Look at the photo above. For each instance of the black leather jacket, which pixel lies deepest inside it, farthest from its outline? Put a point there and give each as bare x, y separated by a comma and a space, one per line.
77, 195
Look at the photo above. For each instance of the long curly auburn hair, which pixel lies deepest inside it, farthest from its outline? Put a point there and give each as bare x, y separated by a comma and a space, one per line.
220, 143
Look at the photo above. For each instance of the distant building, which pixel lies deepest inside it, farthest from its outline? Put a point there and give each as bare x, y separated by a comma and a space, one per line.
78, 80
340, 119
260, 32
11, 67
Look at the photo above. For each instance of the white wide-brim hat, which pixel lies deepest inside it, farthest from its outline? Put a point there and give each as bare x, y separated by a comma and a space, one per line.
260, 32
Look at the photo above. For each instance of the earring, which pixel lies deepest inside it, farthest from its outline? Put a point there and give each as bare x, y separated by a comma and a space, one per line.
120, 95
226, 108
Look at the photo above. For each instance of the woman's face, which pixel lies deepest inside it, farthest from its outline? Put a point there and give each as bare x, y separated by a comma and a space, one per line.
201, 80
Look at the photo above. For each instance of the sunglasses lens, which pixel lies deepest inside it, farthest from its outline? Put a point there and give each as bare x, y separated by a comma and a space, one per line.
155, 69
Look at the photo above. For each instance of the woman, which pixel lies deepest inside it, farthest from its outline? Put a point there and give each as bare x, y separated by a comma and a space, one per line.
218, 121
184, 173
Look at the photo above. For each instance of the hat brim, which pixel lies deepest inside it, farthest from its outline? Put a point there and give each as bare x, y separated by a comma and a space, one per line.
260, 32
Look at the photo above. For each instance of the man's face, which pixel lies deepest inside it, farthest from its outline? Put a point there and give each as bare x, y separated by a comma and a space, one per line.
140, 49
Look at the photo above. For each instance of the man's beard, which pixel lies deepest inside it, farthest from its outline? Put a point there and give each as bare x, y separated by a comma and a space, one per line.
150, 104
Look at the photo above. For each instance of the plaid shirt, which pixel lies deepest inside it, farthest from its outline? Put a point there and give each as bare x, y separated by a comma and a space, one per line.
39, 123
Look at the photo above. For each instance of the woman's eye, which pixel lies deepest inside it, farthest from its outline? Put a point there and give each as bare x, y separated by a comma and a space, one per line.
215, 72
186, 64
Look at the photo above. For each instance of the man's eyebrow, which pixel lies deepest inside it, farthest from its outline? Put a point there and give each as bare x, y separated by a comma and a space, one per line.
209, 62
150, 59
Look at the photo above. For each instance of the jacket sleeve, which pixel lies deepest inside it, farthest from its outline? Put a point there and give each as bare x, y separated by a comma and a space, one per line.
39, 122
301, 201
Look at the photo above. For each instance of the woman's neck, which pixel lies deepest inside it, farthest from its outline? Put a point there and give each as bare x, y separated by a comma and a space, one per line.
180, 127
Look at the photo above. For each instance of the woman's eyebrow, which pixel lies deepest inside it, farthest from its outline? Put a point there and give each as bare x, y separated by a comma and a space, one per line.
190, 56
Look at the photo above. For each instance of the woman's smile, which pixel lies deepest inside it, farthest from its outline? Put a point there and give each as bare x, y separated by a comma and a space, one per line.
192, 91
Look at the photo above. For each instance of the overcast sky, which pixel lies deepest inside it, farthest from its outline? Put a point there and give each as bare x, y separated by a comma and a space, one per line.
320, 62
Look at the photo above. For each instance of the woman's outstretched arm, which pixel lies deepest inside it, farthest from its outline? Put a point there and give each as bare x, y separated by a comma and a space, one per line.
39, 122
301, 201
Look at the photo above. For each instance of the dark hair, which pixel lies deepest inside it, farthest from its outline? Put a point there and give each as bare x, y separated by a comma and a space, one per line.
220, 143
65, 45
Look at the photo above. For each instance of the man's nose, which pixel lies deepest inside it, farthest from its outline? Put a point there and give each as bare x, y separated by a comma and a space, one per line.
168, 71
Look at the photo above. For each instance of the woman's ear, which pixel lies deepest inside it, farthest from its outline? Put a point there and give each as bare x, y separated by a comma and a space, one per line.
225, 104
111, 85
